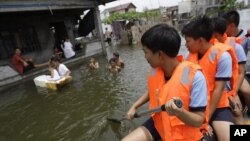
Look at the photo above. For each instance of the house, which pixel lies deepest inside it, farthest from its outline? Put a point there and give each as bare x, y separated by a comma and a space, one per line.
37, 26
29, 25
172, 14
123, 8
192, 8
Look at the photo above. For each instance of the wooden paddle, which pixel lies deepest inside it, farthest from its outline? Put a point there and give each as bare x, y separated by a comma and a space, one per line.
178, 103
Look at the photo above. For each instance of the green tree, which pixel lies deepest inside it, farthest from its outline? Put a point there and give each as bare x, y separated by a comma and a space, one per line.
131, 16
228, 5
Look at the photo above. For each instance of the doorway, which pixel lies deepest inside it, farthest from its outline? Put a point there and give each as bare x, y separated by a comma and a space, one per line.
60, 32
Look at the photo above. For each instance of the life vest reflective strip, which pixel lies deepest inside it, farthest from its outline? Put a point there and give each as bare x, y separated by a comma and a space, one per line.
171, 128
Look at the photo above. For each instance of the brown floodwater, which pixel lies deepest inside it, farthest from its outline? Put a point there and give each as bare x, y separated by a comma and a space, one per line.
79, 110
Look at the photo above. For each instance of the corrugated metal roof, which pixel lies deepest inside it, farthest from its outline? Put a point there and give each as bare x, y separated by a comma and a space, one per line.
19, 6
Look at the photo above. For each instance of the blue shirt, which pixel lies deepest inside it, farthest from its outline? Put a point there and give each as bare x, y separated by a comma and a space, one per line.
224, 67
199, 92
241, 56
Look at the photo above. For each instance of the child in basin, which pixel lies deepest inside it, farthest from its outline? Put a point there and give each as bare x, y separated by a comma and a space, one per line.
54, 75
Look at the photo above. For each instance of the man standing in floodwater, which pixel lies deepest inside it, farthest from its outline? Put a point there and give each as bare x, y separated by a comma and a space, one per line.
108, 36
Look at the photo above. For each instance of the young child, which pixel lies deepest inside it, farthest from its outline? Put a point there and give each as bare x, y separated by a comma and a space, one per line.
54, 75
93, 64
170, 79
61, 68
118, 61
113, 66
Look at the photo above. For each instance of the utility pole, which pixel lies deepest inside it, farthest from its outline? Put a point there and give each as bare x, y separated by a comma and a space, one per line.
159, 4
151, 4
195, 5
196, 1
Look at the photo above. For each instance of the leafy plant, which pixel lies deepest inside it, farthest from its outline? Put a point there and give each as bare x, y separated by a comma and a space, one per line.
131, 16
228, 5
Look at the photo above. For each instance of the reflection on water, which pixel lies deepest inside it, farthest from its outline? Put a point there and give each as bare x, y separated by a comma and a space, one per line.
79, 110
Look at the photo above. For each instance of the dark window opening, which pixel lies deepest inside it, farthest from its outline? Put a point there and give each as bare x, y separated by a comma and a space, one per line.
24, 38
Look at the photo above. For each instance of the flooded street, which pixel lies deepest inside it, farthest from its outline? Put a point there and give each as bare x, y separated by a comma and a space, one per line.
79, 111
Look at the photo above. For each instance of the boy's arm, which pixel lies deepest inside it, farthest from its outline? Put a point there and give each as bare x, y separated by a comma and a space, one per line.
21, 60
191, 118
241, 56
97, 65
67, 73
241, 76
218, 90
142, 100
52, 73
223, 74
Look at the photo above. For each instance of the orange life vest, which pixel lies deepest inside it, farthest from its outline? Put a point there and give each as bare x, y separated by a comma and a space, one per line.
171, 128
241, 39
209, 63
231, 42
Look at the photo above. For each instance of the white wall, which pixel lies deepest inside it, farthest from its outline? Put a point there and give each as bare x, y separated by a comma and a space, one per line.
184, 7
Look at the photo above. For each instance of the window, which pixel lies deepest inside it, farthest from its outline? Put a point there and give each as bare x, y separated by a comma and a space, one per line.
24, 38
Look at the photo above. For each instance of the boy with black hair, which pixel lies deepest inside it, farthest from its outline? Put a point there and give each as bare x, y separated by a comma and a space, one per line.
118, 61
170, 79
220, 26
216, 64
233, 19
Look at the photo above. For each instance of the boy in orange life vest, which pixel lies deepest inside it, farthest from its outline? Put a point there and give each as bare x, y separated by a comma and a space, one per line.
233, 19
169, 79
216, 64
220, 25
